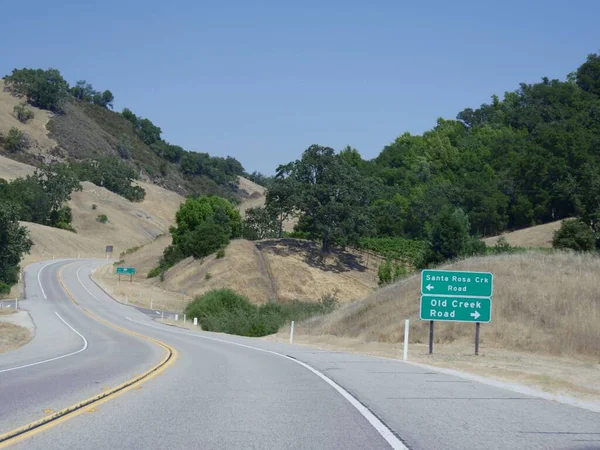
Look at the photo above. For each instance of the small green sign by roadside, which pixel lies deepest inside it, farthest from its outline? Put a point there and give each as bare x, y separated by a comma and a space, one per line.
456, 309
448, 283
125, 271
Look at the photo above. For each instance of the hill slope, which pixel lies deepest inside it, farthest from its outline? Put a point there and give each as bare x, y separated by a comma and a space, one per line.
543, 303
537, 236
278, 269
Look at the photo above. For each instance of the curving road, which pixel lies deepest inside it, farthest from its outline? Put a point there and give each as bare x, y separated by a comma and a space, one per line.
230, 392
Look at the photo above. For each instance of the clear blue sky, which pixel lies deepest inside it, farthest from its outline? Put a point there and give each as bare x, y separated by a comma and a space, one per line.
263, 80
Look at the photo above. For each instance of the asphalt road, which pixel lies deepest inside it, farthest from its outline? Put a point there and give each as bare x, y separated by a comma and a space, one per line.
231, 392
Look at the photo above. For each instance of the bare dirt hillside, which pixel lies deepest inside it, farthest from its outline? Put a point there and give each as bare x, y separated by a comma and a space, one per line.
538, 236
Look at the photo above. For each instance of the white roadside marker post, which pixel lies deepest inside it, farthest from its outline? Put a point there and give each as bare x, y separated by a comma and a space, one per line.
184, 319
292, 333
162, 316
16, 303
176, 317
195, 321
151, 303
406, 323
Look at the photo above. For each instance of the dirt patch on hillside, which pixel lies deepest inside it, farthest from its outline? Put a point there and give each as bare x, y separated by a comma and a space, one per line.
538, 236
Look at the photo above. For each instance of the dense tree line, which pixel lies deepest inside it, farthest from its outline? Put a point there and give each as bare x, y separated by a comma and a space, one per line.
529, 158
221, 170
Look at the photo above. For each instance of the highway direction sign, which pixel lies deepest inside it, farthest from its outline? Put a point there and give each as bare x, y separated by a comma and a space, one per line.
125, 271
456, 309
447, 283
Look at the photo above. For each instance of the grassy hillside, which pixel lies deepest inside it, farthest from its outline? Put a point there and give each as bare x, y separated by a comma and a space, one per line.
543, 303
539, 236
129, 224
281, 270
83, 130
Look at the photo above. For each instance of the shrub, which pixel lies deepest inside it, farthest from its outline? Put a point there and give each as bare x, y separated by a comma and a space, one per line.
4, 288
22, 112
102, 218
221, 253
94, 206
575, 235
207, 276
226, 311
15, 140
155, 272
388, 272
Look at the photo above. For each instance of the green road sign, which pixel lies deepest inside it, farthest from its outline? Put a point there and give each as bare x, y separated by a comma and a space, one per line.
125, 271
447, 283
456, 309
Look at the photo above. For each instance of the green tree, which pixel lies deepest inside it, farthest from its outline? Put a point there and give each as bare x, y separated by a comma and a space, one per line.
148, 132
14, 242
261, 223
83, 91
575, 235
58, 182
333, 197
205, 239
588, 74
203, 225
46, 89
449, 235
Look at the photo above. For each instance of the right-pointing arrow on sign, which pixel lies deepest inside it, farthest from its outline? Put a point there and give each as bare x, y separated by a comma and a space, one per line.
475, 315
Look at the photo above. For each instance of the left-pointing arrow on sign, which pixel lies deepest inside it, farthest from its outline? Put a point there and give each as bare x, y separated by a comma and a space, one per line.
429, 287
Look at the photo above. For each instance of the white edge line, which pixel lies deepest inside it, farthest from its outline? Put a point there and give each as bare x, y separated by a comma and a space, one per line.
381, 428
40, 281
85, 345
81, 282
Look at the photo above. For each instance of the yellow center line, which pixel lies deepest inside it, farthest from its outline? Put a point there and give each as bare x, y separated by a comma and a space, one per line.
65, 414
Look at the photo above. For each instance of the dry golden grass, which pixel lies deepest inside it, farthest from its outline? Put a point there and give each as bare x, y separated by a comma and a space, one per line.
282, 269
538, 236
9, 169
543, 303
129, 224
13, 336
35, 129
140, 292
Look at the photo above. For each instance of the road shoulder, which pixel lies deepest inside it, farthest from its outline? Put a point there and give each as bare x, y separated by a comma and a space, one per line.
16, 329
